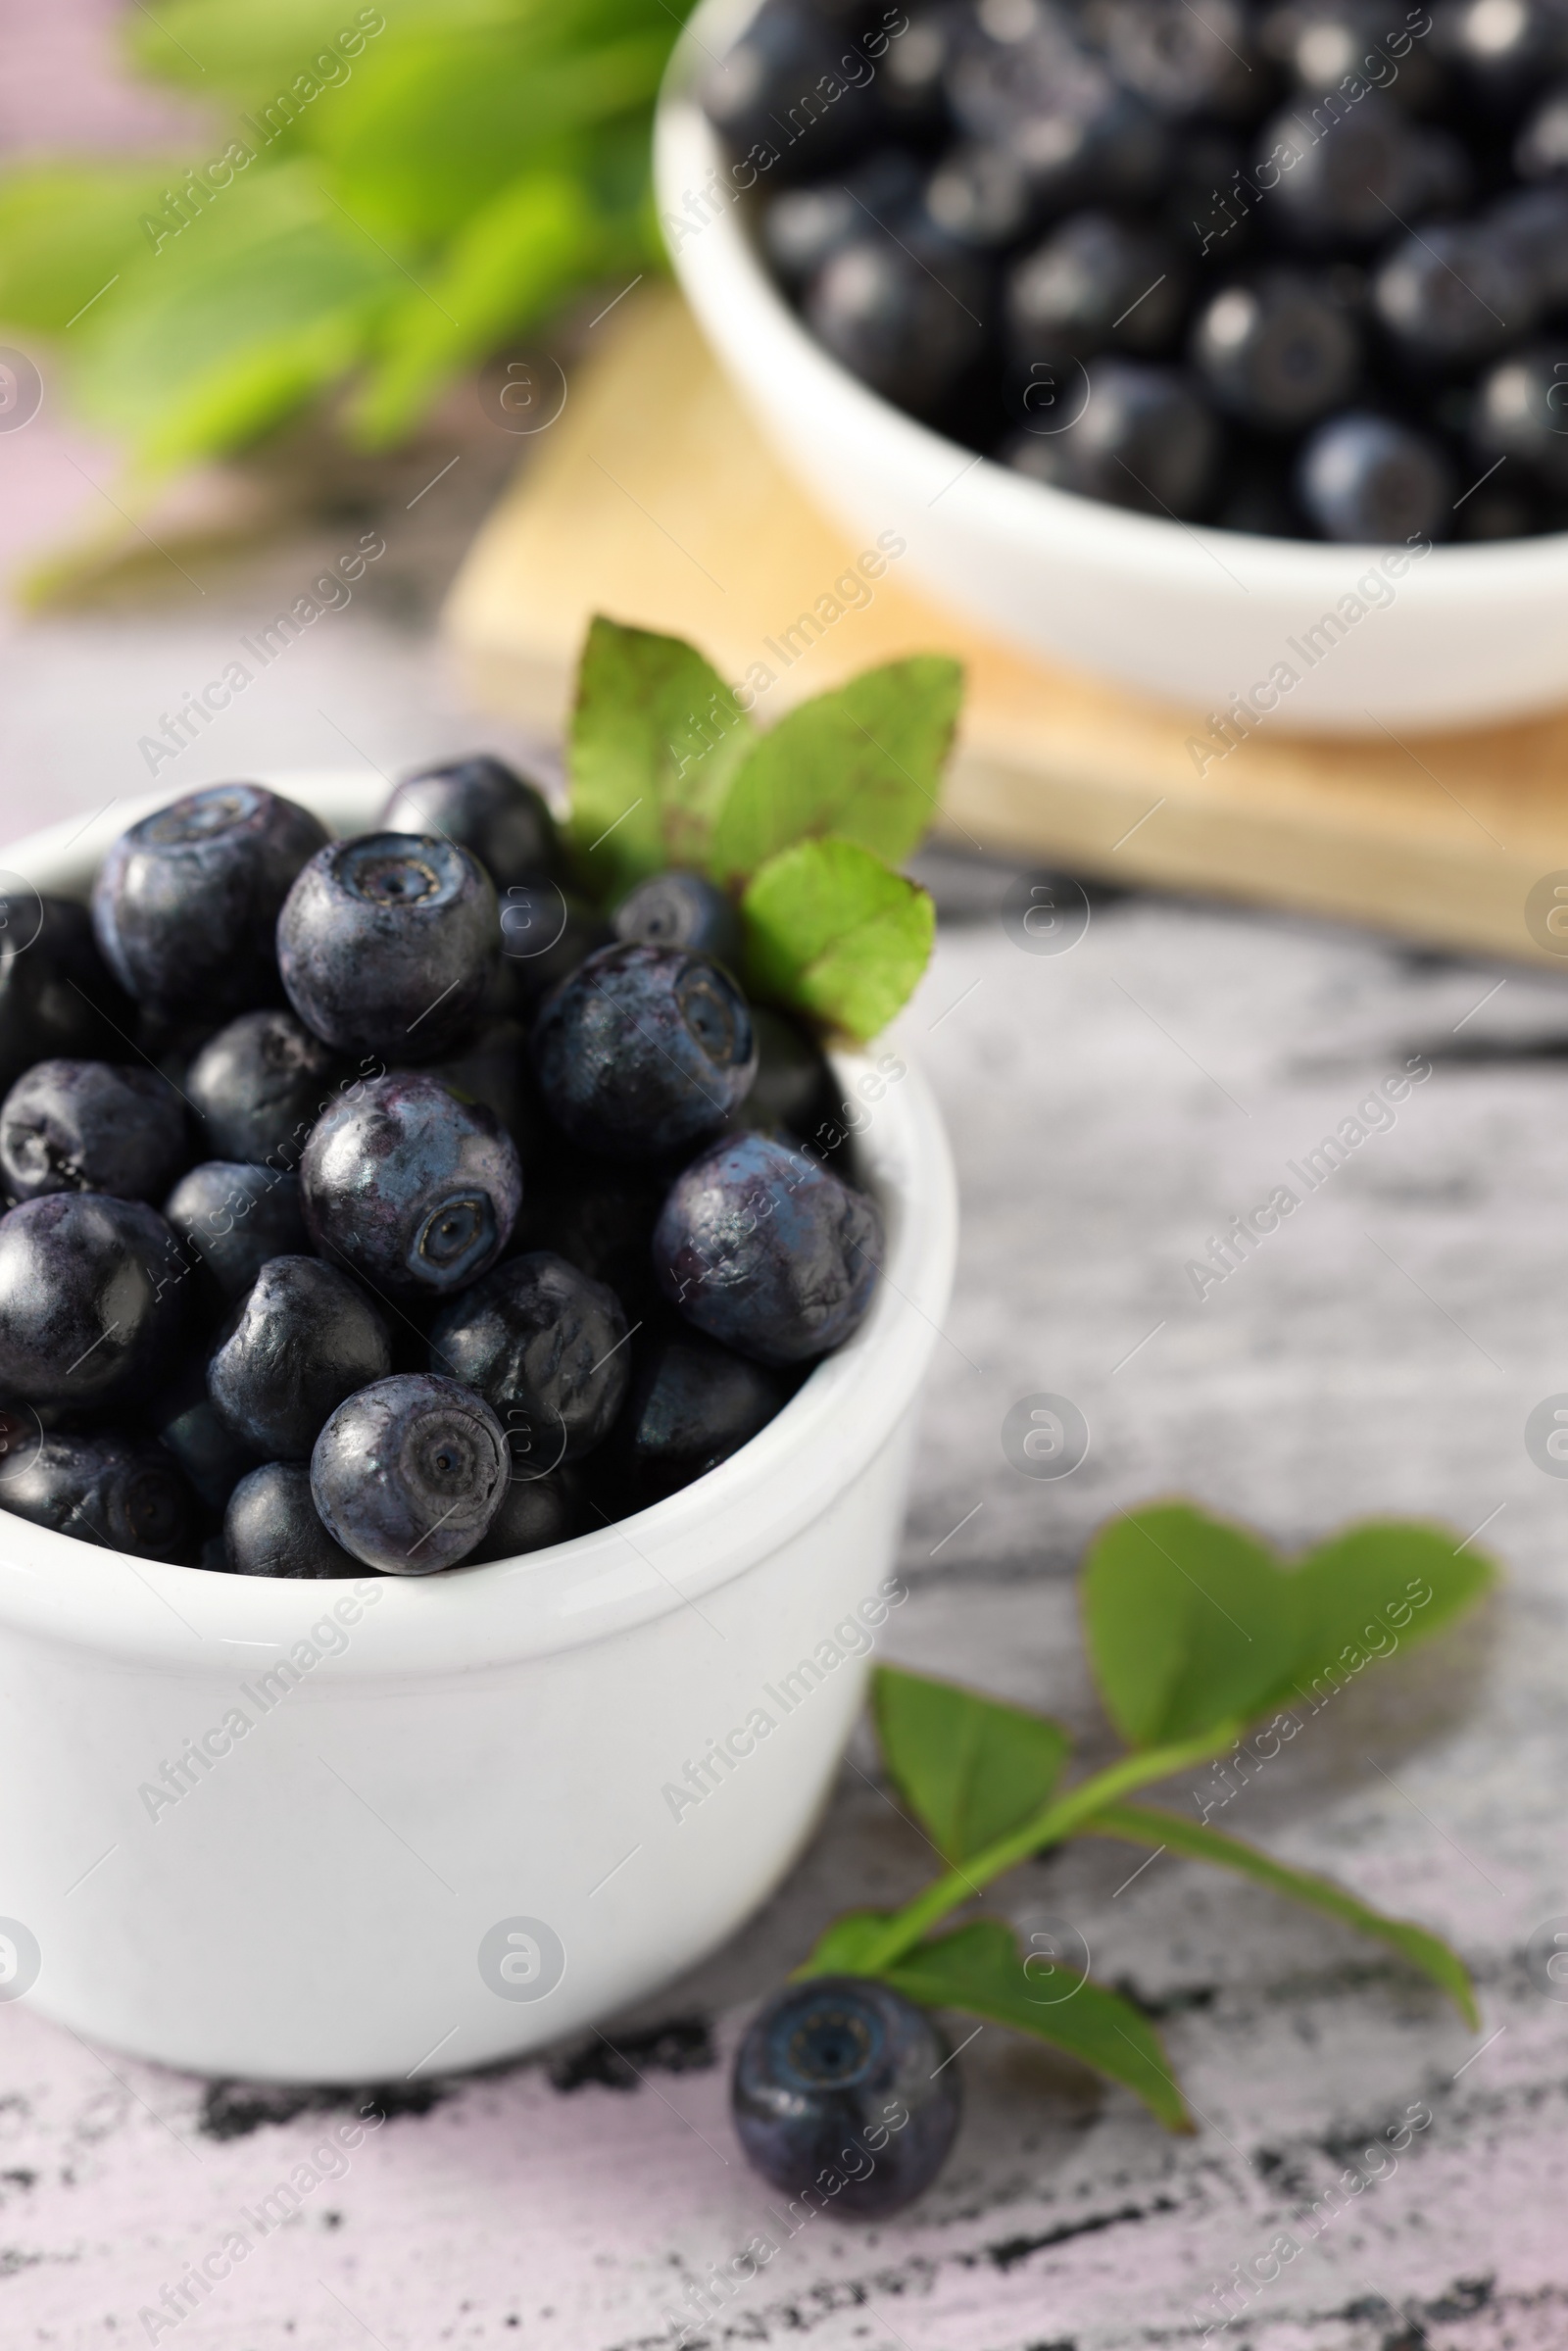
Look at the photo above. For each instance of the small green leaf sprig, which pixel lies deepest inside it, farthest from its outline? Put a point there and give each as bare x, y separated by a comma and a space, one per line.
804, 826
1194, 1630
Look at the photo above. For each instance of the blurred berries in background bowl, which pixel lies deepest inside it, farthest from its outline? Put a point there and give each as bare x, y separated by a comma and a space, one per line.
1220, 352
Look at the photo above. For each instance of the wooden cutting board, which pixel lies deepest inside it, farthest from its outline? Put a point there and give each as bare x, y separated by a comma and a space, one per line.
653, 497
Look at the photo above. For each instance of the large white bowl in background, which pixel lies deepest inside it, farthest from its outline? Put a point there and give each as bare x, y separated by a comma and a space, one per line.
1173, 610
477, 1754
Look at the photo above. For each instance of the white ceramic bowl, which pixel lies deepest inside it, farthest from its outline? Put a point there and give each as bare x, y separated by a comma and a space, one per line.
1174, 611
475, 1752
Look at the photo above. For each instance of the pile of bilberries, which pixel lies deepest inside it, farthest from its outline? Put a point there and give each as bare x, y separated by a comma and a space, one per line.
376, 1203
1291, 267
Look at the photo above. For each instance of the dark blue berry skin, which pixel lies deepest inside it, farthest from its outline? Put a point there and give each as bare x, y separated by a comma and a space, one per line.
1079, 135
1368, 481
767, 90
1278, 353
387, 943
1452, 294
189, 1425
415, 1191
601, 1218
1347, 185
544, 1347
186, 903
57, 995
681, 910
91, 1126
803, 228
493, 1068
693, 1404
546, 933
842, 2085
644, 1051
1144, 439
766, 1251
908, 325
1095, 279
491, 811
95, 1300
107, 1491
260, 1084
794, 1086
271, 1528
302, 1339
1521, 411
408, 1474
535, 1513
235, 1217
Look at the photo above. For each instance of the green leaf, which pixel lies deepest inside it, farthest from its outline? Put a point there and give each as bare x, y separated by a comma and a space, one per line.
842, 1948
968, 1767
1188, 1620
1366, 1593
65, 231
830, 931
656, 736
518, 257
435, 124
980, 1969
863, 764
1152, 1825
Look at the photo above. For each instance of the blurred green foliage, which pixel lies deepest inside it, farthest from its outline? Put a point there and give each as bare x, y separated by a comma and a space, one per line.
387, 195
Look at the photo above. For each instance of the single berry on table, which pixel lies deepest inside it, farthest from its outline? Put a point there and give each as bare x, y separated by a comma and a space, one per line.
95, 1300
386, 944
261, 1084
408, 1474
843, 2080
413, 1190
104, 1490
643, 1050
488, 808
302, 1339
544, 1347
271, 1528
235, 1217
186, 902
768, 1250
91, 1126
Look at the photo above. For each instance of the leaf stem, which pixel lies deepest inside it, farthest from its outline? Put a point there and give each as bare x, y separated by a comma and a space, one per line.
1044, 1828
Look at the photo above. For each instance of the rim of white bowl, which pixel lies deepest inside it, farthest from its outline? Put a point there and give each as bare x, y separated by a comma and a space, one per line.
660, 1560
756, 334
